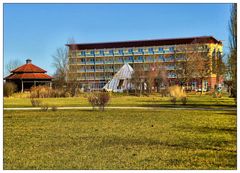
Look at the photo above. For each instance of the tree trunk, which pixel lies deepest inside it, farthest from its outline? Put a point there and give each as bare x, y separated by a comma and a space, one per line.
202, 86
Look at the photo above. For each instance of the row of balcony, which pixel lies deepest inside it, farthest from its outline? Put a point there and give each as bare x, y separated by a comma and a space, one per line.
116, 69
172, 75
170, 50
127, 61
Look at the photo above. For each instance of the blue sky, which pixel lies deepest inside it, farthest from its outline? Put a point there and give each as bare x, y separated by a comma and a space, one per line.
36, 30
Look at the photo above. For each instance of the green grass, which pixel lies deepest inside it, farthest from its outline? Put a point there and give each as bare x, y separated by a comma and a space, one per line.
114, 139
151, 101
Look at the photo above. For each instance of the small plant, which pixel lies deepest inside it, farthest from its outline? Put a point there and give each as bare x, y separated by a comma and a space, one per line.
99, 99
8, 89
54, 108
35, 102
177, 91
184, 100
93, 100
174, 100
103, 98
44, 107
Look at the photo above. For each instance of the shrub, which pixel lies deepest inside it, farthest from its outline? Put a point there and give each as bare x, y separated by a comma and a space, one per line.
35, 102
8, 89
93, 100
54, 108
104, 98
99, 99
44, 107
184, 100
40, 92
46, 92
176, 91
164, 92
173, 100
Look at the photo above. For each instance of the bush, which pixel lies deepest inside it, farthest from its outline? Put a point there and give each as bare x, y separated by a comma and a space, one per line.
54, 108
47, 92
35, 102
44, 107
99, 99
40, 92
176, 91
8, 89
174, 100
104, 98
164, 92
93, 100
184, 100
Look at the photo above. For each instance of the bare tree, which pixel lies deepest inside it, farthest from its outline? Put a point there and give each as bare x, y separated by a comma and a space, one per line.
232, 60
151, 75
65, 74
137, 78
161, 78
184, 65
12, 64
201, 62
60, 62
220, 67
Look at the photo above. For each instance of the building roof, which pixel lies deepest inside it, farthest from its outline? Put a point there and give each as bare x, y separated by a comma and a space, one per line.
28, 68
142, 43
28, 76
28, 71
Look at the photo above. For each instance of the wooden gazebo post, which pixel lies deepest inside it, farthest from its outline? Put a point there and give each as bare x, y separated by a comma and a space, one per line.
22, 84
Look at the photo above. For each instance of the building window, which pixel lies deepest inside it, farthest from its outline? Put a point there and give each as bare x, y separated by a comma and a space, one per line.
101, 52
130, 50
120, 51
92, 52
140, 50
150, 49
161, 58
161, 49
110, 51
171, 49
83, 53
140, 58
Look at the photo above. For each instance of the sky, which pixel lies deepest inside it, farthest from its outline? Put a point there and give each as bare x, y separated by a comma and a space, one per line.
35, 31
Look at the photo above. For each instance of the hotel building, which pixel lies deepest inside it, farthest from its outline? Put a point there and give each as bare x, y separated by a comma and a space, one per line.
94, 64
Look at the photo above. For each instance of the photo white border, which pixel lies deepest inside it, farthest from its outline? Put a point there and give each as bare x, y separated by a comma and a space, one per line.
116, 1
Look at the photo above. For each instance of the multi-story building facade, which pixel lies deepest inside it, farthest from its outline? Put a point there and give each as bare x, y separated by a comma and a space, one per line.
94, 64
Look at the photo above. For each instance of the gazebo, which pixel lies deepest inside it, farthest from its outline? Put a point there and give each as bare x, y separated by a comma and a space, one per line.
28, 75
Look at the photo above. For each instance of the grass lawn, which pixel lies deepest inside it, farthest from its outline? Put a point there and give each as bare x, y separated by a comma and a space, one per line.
120, 139
151, 101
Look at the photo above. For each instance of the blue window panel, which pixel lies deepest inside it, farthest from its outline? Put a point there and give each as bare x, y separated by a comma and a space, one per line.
130, 58
101, 52
161, 49
171, 49
161, 58
150, 49
140, 58
120, 51
83, 53
92, 52
140, 50
110, 51
130, 50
